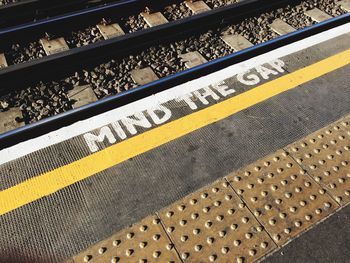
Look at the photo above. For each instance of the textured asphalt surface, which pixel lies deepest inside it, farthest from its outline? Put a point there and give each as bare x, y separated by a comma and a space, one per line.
327, 242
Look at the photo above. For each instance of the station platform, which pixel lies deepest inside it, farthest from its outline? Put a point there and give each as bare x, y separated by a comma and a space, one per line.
232, 167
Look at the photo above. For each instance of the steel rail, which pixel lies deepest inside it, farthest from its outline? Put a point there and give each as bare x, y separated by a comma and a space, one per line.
77, 19
53, 123
29, 10
62, 64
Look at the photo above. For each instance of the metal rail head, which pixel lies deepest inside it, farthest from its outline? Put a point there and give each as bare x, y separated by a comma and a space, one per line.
30, 10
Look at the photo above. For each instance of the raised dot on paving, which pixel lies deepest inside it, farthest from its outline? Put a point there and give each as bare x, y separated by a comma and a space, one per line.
154, 19
143, 76
281, 27
213, 224
110, 31
282, 196
197, 7
325, 155
3, 62
8, 120
345, 4
82, 95
236, 42
54, 46
192, 59
317, 15
145, 241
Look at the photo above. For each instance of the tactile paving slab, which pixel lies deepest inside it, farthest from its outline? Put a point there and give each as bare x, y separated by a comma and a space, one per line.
249, 214
325, 155
213, 224
283, 197
145, 241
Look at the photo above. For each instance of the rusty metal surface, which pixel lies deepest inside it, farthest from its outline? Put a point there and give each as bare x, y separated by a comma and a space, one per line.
145, 241
325, 155
213, 224
282, 196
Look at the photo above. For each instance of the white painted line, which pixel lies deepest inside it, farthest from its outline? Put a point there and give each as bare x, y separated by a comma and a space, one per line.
106, 118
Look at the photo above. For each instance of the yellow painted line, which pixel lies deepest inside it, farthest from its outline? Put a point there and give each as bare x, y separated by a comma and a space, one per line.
51, 182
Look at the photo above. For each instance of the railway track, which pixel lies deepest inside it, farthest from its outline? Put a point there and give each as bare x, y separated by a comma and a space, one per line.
24, 43
110, 70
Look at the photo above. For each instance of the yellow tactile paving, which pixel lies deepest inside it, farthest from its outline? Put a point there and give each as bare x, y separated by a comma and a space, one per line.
282, 196
145, 241
213, 224
325, 155
245, 216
